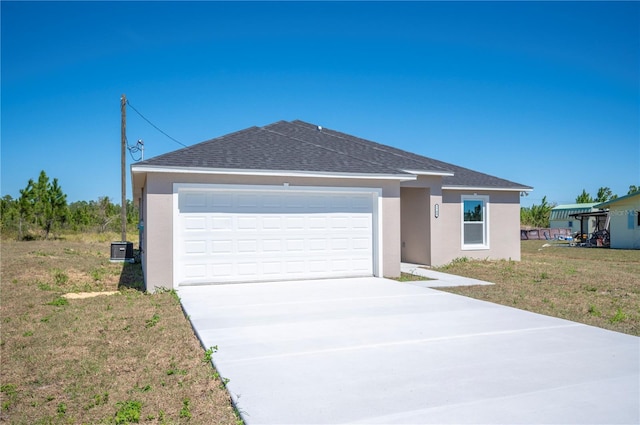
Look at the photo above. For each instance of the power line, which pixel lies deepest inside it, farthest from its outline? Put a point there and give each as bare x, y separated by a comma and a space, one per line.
138, 147
153, 125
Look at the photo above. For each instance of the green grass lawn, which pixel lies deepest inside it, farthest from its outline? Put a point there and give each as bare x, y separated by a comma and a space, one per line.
595, 286
133, 356
112, 359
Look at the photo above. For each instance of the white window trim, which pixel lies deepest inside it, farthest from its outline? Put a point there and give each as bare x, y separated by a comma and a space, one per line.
486, 215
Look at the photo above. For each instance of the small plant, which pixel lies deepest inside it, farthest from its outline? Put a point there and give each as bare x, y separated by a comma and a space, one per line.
185, 412
59, 302
144, 389
594, 311
11, 392
173, 369
459, 260
28, 333
60, 277
98, 274
44, 286
152, 322
98, 400
209, 353
620, 316
61, 409
128, 411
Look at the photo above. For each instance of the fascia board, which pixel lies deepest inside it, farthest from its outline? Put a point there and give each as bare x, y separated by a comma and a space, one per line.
479, 188
430, 173
281, 173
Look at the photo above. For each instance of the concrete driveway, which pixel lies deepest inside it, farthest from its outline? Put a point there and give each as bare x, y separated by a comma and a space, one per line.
375, 351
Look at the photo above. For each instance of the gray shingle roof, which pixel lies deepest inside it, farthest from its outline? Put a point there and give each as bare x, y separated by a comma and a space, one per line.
300, 146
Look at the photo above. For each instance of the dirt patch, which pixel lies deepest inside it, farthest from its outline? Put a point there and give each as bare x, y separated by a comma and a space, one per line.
83, 295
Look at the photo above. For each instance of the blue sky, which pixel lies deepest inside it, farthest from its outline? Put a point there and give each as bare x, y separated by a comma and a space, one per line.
542, 93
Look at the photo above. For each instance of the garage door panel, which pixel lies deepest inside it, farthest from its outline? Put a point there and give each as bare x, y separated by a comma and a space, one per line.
251, 236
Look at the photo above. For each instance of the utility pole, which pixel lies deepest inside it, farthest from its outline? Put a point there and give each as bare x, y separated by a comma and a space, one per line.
123, 137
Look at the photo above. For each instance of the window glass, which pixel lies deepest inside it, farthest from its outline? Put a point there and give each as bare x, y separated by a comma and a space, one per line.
473, 210
474, 221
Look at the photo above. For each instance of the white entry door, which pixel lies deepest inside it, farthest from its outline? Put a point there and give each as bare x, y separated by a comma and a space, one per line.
247, 235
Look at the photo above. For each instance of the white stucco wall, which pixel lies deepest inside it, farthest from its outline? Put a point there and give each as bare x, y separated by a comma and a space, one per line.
158, 241
623, 226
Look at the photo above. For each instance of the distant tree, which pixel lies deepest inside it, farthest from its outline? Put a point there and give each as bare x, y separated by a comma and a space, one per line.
584, 198
604, 195
536, 215
8, 213
633, 189
106, 212
42, 203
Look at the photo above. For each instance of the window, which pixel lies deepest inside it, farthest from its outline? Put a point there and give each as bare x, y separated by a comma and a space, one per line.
475, 223
571, 224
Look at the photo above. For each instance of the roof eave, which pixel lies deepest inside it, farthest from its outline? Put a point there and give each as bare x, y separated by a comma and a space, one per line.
480, 188
430, 173
281, 173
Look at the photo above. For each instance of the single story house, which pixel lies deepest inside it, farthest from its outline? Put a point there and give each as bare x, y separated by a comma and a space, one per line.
561, 217
624, 221
293, 200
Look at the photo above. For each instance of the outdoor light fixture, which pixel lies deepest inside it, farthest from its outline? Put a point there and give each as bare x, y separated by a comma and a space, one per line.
436, 210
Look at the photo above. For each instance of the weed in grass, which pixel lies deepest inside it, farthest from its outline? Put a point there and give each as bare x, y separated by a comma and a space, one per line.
60, 277
149, 323
59, 302
98, 400
185, 412
173, 369
209, 353
410, 277
61, 409
28, 333
593, 310
11, 392
144, 389
128, 411
590, 288
98, 274
44, 286
620, 316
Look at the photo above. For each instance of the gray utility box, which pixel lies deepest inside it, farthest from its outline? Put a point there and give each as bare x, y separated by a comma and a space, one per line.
122, 251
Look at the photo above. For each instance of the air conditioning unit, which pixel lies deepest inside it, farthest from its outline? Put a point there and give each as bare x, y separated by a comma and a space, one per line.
122, 251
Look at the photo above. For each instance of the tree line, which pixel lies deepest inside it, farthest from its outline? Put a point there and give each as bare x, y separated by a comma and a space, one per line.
42, 210
539, 215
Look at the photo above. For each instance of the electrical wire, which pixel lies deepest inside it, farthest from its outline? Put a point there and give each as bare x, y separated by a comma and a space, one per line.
154, 126
134, 149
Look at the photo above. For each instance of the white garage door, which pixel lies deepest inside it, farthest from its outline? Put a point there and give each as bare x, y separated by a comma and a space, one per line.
231, 235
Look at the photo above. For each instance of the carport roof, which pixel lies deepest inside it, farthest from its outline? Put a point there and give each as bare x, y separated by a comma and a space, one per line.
304, 147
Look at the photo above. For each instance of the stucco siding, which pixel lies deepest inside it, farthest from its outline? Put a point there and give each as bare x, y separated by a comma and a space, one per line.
158, 239
623, 227
415, 226
503, 228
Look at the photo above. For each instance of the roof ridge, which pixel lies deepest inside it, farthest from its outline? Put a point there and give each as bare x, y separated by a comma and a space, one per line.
363, 142
401, 153
446, 166
327, 148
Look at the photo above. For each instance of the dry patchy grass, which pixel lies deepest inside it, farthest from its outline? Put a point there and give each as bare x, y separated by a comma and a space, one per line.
101, 360
599, 287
